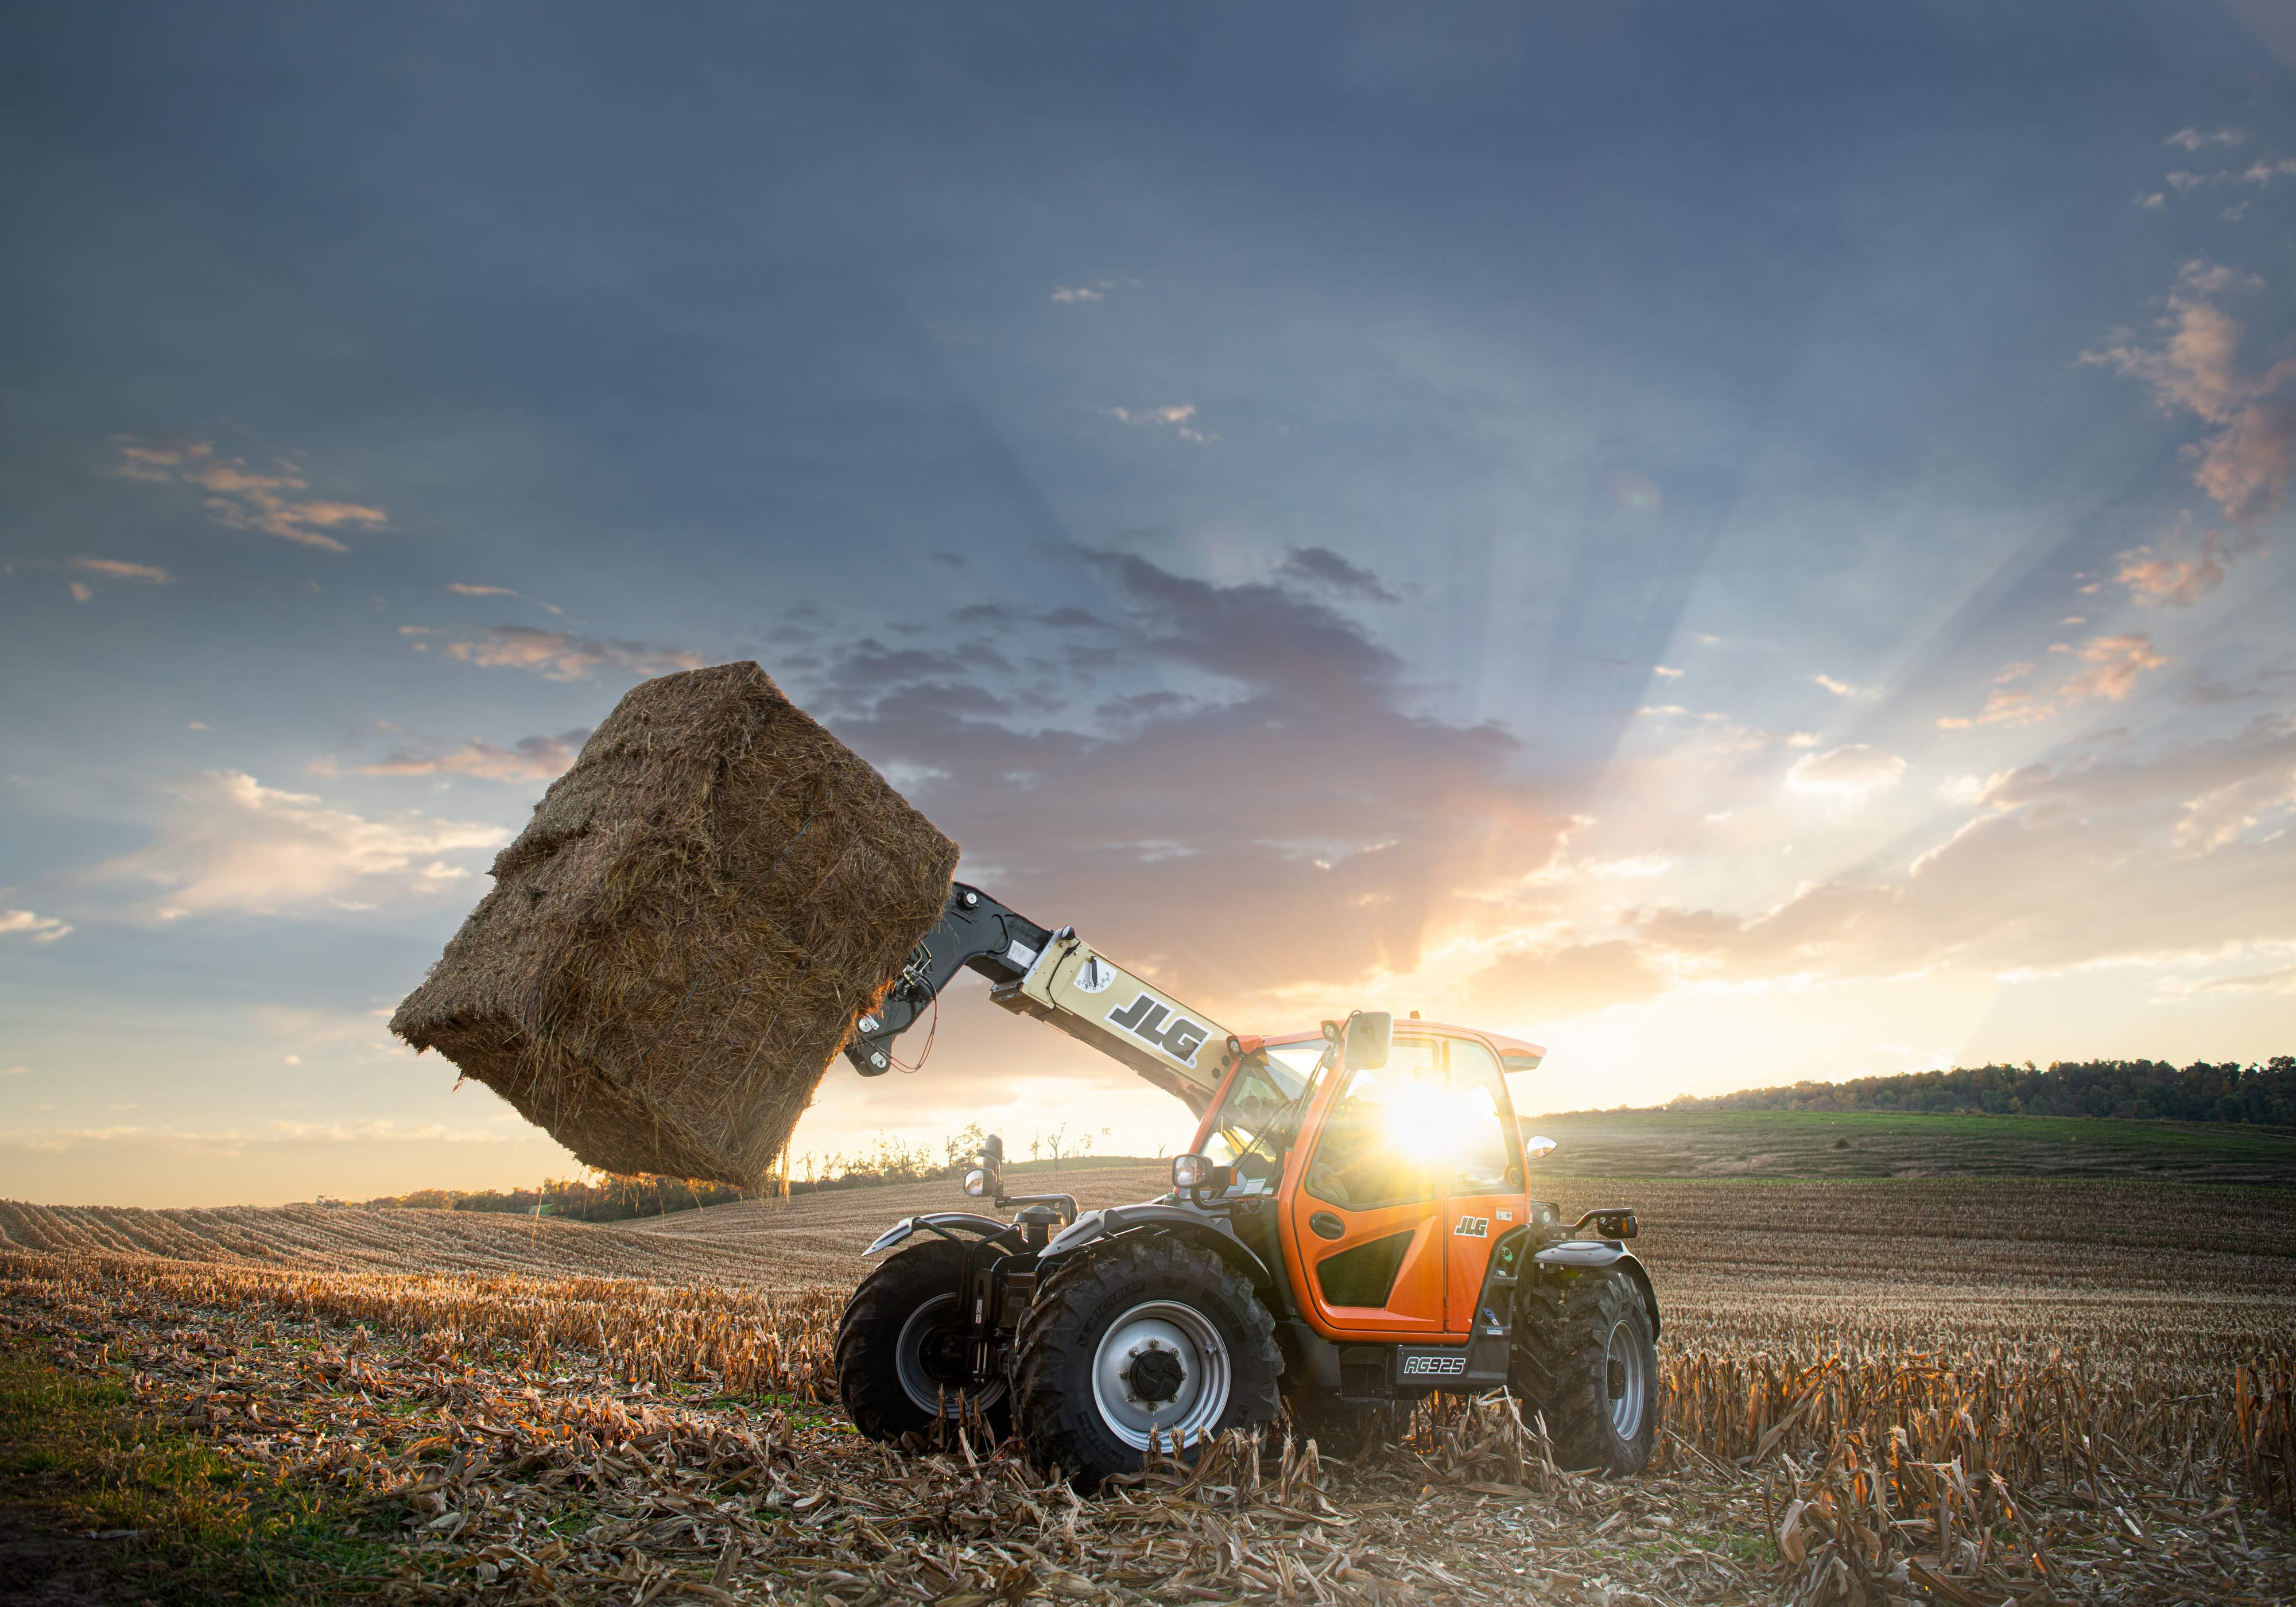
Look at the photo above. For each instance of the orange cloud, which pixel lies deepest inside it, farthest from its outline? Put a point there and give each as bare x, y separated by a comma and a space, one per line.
116, 568
2114, 663
559, 655
2247, 460
244, 500
531, 759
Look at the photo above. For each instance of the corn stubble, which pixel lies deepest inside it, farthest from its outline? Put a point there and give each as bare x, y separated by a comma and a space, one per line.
1925, 1436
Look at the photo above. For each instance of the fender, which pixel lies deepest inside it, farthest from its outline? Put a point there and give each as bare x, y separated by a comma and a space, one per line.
1604, 1252
941, 1223
1210, 1229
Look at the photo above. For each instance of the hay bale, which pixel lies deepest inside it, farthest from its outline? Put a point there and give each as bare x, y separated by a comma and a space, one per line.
679, 943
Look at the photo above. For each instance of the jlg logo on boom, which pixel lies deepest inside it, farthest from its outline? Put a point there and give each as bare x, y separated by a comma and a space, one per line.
1156, 1023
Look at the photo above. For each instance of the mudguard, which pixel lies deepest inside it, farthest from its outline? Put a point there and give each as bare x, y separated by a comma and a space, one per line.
944, 1223
1211, 1230
1603, 1252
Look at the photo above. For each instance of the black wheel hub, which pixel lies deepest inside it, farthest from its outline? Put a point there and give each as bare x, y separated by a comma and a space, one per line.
944, 1355
1155, 1375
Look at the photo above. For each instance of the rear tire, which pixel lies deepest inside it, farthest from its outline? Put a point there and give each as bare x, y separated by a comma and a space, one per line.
1151, 1333
900, 1348
1585, 1357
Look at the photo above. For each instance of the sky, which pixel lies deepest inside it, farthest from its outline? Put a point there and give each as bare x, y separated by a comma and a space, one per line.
1740, 543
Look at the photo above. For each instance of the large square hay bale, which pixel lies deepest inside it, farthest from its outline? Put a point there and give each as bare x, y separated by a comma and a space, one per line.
679, 943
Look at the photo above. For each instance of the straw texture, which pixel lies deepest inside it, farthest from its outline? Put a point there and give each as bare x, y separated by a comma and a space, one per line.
680, 941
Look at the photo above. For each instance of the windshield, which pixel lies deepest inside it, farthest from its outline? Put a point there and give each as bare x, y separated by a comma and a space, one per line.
1262, 1090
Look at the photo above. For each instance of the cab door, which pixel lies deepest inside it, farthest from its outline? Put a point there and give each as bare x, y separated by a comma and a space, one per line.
1364, 1218
1484, 1193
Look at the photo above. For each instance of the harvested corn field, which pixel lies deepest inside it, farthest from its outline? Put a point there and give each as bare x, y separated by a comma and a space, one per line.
2034, 1392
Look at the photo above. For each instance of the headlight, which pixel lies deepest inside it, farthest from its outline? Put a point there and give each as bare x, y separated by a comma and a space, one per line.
1190, 1172
976, 1183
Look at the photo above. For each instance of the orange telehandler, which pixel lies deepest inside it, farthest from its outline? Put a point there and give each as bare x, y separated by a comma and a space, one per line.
1352, 1228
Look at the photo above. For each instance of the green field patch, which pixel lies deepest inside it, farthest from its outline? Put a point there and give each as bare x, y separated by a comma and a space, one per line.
103, 1502
1905, 1145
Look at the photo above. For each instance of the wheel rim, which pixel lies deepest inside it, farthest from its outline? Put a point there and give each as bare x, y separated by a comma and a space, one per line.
1161, 1368
1625, 1361
931, 1390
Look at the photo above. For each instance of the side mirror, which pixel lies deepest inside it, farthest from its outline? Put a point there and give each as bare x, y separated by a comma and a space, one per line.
986, 1181
1371, 1033
1537, 1148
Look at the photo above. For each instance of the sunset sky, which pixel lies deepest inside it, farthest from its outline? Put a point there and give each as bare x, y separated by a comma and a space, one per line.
1740, 543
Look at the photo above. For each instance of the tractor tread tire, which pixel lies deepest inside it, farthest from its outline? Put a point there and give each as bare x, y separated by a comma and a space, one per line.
1562, 1318
868, 1375
1053, 1397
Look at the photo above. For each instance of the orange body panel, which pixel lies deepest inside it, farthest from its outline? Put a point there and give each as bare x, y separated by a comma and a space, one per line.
1433, 1294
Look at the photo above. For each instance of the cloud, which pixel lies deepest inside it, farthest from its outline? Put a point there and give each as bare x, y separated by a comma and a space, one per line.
461, 590
560, 655
2282, 980
1665, 673
24, 923
2223, 814
2175, 582
529, 758
1840, 689
1294, 788
1072, 293
242, 499
2193, 139
116, 568
2066, 865
80, 592
1846, 775
230, 844
1558, 983
1178, 418
231, 1142
2247, 458
2114, 664
1320, 568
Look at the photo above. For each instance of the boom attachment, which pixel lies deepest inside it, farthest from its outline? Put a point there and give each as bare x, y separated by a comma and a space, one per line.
1059, 978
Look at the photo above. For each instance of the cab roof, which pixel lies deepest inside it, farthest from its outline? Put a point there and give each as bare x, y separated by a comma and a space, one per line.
1404, 1026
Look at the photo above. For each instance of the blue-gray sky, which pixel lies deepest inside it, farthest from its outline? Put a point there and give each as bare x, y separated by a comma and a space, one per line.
1740, 543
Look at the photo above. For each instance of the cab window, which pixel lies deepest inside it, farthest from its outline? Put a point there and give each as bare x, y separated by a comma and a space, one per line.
1379, 1145
1483, 1159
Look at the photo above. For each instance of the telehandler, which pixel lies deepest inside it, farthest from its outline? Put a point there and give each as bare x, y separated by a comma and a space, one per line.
1351, 1229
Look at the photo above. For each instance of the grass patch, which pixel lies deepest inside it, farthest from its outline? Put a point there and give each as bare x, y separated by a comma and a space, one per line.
98, 1494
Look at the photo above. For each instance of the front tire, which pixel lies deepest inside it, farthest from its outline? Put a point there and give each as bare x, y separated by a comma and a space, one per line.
1585, 1357
901, 1348
1149, 1336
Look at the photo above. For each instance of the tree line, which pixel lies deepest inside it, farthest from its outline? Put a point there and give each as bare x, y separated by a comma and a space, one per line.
2141, 1090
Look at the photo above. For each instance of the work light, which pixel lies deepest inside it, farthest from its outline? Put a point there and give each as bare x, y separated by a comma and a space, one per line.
1191, 1172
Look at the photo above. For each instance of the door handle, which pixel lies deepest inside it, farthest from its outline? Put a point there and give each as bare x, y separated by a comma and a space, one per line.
1327, 1225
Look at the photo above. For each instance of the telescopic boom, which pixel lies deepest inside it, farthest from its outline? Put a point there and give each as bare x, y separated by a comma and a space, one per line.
1060, 979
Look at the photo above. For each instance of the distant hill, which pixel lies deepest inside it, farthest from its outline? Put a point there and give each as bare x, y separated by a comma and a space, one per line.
2131, 1090
2200, 1123
1906, 1143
